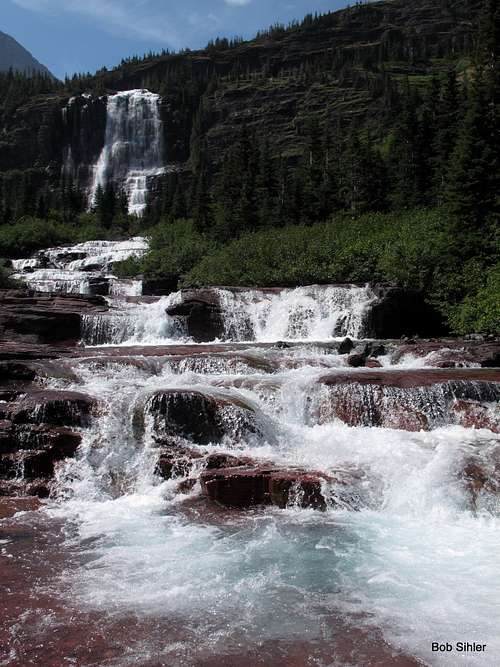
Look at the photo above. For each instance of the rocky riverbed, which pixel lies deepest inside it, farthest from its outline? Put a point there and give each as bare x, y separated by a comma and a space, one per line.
244, 476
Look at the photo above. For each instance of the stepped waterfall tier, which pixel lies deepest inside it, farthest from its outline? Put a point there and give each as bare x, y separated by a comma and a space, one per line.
133, 149
84, 268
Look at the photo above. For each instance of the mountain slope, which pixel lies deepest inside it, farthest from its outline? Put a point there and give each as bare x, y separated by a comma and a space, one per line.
14, 55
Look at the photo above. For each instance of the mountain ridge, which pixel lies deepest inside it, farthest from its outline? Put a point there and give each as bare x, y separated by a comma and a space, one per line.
15, 56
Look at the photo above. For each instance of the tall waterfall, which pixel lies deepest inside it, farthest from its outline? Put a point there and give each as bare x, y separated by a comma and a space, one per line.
133, 146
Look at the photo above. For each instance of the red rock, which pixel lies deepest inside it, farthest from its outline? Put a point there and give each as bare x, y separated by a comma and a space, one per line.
373, 363
39, 488
453, 353
38, 450
411, 377
471, 414
237, 487
58, 408
10, 506
405, 418
199, 418
245, 487
480, 475
45, 318
176, 461
304, 490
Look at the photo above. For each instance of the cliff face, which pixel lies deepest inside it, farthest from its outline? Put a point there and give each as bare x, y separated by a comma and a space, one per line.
16, 57
342, 64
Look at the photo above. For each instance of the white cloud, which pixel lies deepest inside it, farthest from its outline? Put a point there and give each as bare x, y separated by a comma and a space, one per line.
237, 3
114, 16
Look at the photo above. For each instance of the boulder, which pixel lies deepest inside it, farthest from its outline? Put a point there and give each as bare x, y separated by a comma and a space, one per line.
345, 346
481, 475
237, 487
39, 488
452, 353
201, 313
244, 487
199, 418
401, 312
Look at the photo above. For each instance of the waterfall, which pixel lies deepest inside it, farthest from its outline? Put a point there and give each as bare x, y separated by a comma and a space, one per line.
133, 149
317, 312
84, 268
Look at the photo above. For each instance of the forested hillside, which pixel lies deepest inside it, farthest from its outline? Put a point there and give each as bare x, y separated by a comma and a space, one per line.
358, 145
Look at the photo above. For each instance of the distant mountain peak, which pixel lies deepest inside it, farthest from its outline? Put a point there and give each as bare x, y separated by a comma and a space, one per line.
14, 55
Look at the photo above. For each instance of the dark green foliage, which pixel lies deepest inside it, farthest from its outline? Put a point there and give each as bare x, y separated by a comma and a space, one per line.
175, 249
480, 310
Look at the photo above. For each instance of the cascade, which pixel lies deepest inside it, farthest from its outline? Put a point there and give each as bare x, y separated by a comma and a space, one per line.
133, 149
84, 268
317, 312
257, 491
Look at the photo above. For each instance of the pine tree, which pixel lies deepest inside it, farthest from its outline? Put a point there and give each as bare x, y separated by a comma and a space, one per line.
447, 118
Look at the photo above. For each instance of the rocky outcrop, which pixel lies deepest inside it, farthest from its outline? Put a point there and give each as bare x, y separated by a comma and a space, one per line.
472, 414
38, 430
259, 484
43, 319
410, 400
450, 353
58, 408
201, 314
187, 415
400, 312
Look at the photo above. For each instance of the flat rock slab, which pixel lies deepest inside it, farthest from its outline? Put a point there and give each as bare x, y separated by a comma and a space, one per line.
407, 378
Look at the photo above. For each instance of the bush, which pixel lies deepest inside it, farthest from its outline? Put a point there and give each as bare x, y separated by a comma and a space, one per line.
480, 312
405, 249
174, 249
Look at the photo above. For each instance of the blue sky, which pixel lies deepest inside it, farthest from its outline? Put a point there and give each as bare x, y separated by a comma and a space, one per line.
83, 35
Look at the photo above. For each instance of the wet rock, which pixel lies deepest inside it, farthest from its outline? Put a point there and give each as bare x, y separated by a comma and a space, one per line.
237, 487
58, 408
16, 371
200, 311
219, 461
302, 490
39, 488
457, 353
45, 318
18, 350
176, 461
356, 360
404, 418
412, 400
34, 464
413, 377
245, 487
9, 507
481, 475
199, 418
471, 414
345, 346
361, 354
